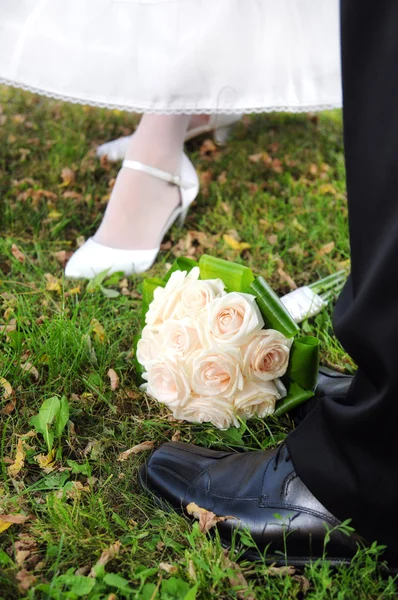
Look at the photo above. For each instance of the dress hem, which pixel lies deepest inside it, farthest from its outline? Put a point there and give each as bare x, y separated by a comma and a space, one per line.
187, 110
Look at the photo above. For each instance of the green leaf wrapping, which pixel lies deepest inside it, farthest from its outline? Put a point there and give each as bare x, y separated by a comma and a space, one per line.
236, 278
304, 362
148, 287
276, 316
182, 263
296, 395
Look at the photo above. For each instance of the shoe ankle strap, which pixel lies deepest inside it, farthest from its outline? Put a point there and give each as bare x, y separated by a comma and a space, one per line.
158, 173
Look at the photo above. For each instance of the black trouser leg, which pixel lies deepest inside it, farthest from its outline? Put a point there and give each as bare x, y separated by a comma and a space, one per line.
347, 453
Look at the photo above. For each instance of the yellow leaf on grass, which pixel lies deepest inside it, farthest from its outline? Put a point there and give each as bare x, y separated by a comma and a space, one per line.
135, 450
54, 214
53, 284
7, 388
233, 243
19, 461
98, 330
46, 461
298, 226
75, 290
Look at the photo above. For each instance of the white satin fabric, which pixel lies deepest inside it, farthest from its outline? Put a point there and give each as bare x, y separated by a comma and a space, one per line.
175, 56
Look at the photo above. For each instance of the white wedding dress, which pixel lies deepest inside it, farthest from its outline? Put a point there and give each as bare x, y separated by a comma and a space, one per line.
175, 56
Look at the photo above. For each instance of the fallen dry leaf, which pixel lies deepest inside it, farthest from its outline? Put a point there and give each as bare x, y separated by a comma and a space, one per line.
114, 377
8, 391
68, 176
298, 226
21, 556
106, 556
176, 436
74, 491
207, 519
18, 254
285, 570
53, 284
233, 243
98, 330
26, 580
7, 520
326, 249
208, 147
62, 256
286, 277
237, 579
167, 567
46, 461
143, 447
19, 460
29, 368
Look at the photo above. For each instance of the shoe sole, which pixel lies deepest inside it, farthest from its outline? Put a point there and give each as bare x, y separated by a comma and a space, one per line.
251, 555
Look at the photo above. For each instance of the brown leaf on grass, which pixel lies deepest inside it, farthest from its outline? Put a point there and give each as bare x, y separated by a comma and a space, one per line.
272, 239
285, 570
106, 556
303, 582
21, 556
326, 249
26, 580
74, 491
176, 436
222, 178
191, 571
68, 176
19, 460
205, 179
237, 579
71, 195
114, 377
208, 147
53, 284
18, 254
62, 256
255, 158
143, 447
207, 519
31, 369
168, 568
7, 520
285, 277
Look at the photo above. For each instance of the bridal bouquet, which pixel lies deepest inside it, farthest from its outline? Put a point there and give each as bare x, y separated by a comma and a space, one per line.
217, 345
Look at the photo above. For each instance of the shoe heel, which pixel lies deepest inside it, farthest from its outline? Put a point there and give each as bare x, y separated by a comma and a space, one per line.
182, 216
222, 134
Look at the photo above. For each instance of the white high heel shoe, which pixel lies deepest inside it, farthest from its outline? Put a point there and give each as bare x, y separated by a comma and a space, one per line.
221, 125
93, 258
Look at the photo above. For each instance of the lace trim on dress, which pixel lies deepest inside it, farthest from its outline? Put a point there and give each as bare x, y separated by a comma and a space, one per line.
174, 111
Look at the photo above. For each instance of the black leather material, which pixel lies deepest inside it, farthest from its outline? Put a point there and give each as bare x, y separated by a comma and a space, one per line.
330, 383
260, 489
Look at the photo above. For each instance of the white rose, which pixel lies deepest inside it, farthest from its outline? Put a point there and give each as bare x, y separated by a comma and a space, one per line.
149, 346
266, 357
233, 319
180, 338
218, 411
196, 296
256, 400
167, 383
215, 372
166, 300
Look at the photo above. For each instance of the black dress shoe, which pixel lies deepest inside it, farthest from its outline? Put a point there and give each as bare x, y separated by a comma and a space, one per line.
263, 493
330, 383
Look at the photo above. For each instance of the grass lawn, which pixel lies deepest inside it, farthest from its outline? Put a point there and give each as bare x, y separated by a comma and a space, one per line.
278, 186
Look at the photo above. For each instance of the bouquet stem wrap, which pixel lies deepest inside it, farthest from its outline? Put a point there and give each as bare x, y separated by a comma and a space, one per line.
301, 376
